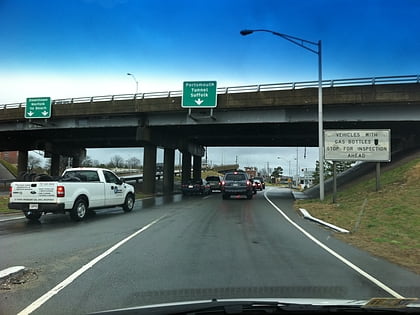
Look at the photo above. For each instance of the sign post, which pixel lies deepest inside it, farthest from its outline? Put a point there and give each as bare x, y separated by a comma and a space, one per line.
38, 107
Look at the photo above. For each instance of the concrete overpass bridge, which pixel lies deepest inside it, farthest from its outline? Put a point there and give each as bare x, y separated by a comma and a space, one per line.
281, 114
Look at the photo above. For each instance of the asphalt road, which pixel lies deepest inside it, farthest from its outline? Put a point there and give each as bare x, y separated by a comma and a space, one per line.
186, 248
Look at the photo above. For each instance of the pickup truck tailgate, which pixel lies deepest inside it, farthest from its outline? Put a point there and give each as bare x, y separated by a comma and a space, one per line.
38, 192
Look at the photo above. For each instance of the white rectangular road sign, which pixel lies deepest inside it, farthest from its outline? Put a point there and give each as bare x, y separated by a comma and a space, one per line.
358, 145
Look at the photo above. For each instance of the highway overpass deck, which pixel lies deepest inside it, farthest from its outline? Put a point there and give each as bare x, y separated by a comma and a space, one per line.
256, 115
276, 115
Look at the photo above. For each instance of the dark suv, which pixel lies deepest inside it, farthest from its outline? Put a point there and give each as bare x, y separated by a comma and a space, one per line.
236, 183
214, 182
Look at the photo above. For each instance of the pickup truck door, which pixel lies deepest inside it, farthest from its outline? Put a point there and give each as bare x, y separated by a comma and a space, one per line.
114, 189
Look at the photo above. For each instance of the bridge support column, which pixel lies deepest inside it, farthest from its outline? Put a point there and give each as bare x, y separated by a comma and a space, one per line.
168, 170
22, 162
196, 167
55, 164
76, 161
186, 167
78, 157
149, 169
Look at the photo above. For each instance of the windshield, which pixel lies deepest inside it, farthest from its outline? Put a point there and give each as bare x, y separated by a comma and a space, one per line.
223, 149
235, 177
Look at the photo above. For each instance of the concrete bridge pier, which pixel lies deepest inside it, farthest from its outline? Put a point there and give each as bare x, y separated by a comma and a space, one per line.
197, 167
149, 169
22, 161
55, 164
186, 167
168, 170
77, 157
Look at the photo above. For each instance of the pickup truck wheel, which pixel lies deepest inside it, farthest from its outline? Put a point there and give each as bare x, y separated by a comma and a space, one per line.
33, 216
79, 210
128, 203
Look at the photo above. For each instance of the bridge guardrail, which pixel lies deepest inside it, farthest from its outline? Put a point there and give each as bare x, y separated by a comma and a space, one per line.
237, 89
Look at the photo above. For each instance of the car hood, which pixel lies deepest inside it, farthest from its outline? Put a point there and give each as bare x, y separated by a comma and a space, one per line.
273, 305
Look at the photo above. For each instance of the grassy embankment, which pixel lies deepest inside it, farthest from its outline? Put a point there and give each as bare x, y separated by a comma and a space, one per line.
385, 223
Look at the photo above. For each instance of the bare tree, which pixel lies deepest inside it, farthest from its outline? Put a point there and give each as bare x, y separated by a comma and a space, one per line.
133, 162
87, 161
34, 162
117, 161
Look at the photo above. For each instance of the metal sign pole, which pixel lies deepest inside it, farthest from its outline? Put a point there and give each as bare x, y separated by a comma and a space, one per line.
378, 176
334, 181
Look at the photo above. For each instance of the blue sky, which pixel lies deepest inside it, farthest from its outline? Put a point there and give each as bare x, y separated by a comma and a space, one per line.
62, 48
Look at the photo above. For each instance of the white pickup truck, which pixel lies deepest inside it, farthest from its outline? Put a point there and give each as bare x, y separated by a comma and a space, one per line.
77, 191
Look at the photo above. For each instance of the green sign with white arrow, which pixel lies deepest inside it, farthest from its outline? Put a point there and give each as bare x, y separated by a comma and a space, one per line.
38, 107
199, 94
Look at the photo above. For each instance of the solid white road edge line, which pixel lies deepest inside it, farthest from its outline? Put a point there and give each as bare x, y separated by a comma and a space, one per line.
36, 304
336, 255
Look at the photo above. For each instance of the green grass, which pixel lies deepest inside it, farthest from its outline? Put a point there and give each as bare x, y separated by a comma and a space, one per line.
3, 206
12, 169
386, 222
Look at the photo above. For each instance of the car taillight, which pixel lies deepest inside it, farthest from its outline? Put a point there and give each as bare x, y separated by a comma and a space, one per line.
60, 191
248, 183
222, 183
10, 191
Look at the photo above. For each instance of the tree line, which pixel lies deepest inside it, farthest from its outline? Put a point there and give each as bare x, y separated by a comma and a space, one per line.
38, 164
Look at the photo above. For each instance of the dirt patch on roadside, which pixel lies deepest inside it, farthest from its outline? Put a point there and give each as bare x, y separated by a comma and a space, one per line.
19, 280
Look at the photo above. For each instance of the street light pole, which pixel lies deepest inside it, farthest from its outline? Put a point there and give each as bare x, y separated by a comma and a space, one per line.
289, 170
309, 46
320, 125
135, 80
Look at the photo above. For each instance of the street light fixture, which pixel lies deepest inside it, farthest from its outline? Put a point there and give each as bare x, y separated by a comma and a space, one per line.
314, 47
135, 80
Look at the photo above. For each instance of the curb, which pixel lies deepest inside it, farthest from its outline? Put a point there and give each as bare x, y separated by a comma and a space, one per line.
10, 271
299, 195
308, 216
10, 217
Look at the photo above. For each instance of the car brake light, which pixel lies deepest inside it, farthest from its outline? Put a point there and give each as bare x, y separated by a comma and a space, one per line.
60, 191
222, 183
248, 183
10, 191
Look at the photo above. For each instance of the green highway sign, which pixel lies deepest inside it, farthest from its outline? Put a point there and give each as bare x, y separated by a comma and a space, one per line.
38, 107
199, 94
